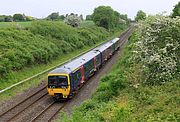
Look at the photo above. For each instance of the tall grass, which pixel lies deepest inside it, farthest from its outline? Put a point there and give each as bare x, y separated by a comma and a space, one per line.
14, 24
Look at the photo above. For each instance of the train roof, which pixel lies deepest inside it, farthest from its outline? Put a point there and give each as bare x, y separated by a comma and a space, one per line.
104, 46
115, 40
76, 63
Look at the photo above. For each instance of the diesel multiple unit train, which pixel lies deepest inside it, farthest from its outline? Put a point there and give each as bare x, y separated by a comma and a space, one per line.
64, 80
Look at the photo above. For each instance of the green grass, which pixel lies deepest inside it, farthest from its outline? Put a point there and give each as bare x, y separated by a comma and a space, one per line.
154, 103
9, 24
27, 24
87, 24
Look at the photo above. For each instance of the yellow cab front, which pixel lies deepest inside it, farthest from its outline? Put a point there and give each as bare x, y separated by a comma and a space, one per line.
58, 85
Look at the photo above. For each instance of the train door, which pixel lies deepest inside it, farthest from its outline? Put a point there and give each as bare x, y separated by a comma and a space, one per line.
82, 74
95, 65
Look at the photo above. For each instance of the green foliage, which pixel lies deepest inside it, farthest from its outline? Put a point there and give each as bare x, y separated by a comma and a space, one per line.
29, 18
8, 19
106, 17
176, 10
90, 36
124, 17
15, 24
155, 103
18, 48
53, 16
4, 18
88, 17
140, 16
62, 17
15, 18
87, 24
102, 16
18, 17
109, 87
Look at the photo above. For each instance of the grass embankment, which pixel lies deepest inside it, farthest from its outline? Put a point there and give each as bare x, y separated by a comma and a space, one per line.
131, 91
14, 24
28, 51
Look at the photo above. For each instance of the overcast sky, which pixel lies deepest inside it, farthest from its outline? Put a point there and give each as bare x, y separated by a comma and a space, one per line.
42, 8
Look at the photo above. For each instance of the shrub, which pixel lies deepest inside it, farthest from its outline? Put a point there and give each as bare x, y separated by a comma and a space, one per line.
19, 48
157, 49
73, 20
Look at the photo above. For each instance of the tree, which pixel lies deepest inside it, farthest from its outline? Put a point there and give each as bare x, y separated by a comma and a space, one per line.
53, 16
62, 17
106, 17
116, 19
73, 20
140, 15
8, 19
2, 18
124, 17
29, 18
89, 17
18, 17
176, 10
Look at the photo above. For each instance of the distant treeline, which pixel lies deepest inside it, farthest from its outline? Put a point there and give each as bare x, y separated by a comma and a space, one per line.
15, 18
55, 16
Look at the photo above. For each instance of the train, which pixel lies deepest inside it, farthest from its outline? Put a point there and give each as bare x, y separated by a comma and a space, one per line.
62, 82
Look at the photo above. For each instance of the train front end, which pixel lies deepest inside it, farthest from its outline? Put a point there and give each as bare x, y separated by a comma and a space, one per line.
58, 86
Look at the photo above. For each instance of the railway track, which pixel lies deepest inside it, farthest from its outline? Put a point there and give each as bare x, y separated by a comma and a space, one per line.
42, 113
15, 110
48, 113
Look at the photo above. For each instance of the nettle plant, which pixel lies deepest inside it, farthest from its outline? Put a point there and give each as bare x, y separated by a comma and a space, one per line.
158, 49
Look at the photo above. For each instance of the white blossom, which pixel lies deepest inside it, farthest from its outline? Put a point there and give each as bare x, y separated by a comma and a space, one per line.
158, 47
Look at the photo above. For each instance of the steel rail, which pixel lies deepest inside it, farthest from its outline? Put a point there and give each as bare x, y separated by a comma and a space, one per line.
43, 111
19, 112
22, 101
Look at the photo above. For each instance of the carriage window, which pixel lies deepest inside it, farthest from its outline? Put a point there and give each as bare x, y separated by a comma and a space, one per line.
89, 66
98, 60
77, 75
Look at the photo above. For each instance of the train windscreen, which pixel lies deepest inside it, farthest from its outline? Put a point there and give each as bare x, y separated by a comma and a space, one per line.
57, 82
